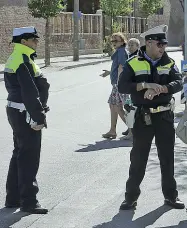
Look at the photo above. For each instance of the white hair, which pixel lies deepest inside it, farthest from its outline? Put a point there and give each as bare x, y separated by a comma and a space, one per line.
136, 41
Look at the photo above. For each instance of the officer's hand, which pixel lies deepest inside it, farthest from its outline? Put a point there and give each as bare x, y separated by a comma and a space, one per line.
158, 88
150, 94
106, 73
37, 127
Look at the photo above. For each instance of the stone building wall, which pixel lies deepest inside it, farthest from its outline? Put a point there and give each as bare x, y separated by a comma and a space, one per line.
176, 24
16, 16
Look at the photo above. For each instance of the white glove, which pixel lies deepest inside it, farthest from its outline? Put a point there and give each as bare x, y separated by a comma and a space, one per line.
37, 127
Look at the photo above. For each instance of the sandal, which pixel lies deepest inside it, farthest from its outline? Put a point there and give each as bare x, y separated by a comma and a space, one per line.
109, 136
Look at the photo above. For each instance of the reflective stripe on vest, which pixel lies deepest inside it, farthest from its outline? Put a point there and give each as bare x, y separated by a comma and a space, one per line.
165, 69
141, 72
7, 70
143, 67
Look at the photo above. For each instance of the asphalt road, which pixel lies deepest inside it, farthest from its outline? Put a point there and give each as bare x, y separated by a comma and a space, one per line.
82, 176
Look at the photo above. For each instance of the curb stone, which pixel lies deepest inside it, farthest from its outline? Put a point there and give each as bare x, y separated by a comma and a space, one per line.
70, 67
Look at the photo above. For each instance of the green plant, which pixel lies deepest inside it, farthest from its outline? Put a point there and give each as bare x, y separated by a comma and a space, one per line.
115, 8
46, 9
149, 7
116, 27
108, 48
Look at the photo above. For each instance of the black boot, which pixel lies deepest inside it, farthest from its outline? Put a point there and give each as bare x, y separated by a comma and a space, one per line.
128, 205
12, 204
37, 209
175, 203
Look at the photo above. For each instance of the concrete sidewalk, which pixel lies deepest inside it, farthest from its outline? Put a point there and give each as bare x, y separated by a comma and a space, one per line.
64, 63
173, 49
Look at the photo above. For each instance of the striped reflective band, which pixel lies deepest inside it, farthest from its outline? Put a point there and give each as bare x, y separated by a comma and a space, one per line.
141, 72
7, 70
163, 71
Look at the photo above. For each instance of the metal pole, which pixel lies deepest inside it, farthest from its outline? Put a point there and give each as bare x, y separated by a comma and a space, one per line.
185, 28
76, 31
111, 19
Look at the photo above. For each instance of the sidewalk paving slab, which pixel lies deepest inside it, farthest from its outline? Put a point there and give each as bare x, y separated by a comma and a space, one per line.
65, 63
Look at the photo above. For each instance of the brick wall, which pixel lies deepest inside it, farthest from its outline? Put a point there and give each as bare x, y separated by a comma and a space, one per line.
13, 3
90, 30
161, 19
16, 16
14, 13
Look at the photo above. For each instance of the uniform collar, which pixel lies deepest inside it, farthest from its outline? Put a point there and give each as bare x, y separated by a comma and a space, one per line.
154, 62
134, 53
24, 49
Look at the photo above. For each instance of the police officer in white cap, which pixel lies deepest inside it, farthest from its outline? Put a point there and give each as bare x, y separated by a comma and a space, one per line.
27, 104
152, 78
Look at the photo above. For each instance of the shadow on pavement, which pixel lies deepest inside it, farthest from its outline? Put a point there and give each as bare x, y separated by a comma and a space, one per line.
10, 216
105, 144
177, 120
124, 219
178, 116
180, 165
182, 224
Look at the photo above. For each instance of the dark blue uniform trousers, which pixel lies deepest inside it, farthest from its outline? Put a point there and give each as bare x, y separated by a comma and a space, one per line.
162, 129
21, 183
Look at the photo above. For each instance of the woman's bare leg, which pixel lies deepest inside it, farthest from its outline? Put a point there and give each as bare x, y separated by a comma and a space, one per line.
121, 113
114, 118
119, 109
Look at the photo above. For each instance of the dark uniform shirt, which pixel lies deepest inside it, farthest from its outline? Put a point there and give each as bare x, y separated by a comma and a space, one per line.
138, 69
25, 82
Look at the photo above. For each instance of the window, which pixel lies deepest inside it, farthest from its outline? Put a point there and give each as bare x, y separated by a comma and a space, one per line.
160, 11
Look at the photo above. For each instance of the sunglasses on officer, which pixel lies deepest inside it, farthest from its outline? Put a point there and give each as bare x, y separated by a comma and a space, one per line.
159, 44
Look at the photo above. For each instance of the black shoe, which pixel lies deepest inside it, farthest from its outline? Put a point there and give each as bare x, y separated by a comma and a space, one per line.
125, 132
12, 205
37, 209
128, 205
176, 203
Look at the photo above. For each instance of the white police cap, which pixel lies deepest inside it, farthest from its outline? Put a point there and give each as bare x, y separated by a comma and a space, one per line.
157, 33
29, 31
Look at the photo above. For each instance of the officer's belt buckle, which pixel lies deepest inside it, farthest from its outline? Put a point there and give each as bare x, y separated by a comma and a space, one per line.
155, 110
160, 109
